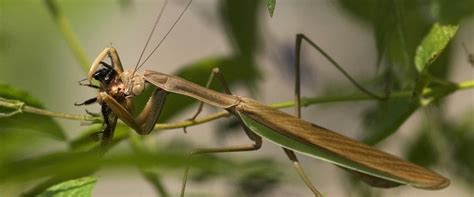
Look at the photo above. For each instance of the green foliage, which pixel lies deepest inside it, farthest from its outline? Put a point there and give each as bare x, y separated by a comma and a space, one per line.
424, 150
78, 187
89, 138
428, 147
409, 37
461, 136
270, 6
45, 125
433, 44
257, 179
387, 118
399, 28
24, 133
429, 49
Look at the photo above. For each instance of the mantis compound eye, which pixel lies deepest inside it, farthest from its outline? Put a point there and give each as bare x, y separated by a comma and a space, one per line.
134, 82
138, 89
138, 85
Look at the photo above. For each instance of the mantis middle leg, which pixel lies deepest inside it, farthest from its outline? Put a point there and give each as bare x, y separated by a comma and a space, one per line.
215, 72
240, 148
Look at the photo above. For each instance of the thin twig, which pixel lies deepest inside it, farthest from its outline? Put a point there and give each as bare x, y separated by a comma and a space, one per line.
71, 38
16, 104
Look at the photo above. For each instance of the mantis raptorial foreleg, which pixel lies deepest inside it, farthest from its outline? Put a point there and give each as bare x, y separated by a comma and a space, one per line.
215, 72
114, 57
145, 121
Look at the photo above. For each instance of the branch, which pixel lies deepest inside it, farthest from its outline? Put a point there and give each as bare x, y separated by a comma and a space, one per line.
21, 107
69, 35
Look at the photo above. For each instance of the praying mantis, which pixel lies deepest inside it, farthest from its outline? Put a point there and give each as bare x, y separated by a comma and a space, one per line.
118, 87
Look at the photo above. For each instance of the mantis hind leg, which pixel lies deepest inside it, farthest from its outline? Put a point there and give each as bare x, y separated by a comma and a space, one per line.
215, 72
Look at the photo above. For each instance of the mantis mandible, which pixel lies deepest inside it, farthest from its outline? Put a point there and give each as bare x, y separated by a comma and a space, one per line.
118, 88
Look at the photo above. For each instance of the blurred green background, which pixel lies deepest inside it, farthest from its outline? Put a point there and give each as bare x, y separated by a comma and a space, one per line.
374, 40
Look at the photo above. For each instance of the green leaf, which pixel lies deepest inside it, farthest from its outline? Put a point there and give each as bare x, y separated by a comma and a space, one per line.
453, 12
270, 6
433, 44
387, 118
460, 137
259, 177
24, 121
24, 133
241, 24
88, 139
81, 187
423, 150
429, 50
74, 163
398, 28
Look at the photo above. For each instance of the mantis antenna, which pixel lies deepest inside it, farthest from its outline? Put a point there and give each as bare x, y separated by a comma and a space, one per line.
138, 66
150, 35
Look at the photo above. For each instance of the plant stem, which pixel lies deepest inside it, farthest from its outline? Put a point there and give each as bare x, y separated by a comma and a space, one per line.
69, 35
153, 177
14, 104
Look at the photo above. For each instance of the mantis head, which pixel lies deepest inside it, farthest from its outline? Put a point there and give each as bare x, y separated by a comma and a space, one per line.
134, 82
